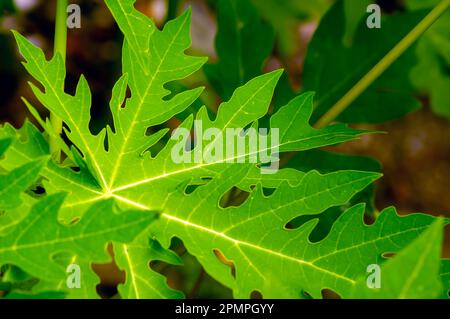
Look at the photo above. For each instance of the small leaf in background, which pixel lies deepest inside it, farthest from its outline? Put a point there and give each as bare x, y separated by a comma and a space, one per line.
6, 6
332, 68
431, 74
285, 15
243, 44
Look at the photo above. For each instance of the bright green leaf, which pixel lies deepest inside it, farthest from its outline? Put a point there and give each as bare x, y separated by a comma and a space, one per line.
413, 273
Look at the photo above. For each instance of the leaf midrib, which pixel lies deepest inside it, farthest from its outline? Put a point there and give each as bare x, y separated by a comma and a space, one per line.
203, 165
237, 242
124, 144
69, 114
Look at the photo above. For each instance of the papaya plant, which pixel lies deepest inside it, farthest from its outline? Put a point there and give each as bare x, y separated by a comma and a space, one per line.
71, 199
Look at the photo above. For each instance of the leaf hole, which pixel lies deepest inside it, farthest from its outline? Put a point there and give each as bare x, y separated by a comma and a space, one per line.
76, 169
235, 197
190, 189
306, 295
106, 143
369, 219
256, 295
329, 294
388, 255
171, 89
156, 145
39, 190
268, 191
227, 262
326, 220
110, 276
246, 130
127, 97
74, 221
121, 107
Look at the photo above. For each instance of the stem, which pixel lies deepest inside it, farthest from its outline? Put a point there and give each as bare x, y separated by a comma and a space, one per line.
383, 65
59, 47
